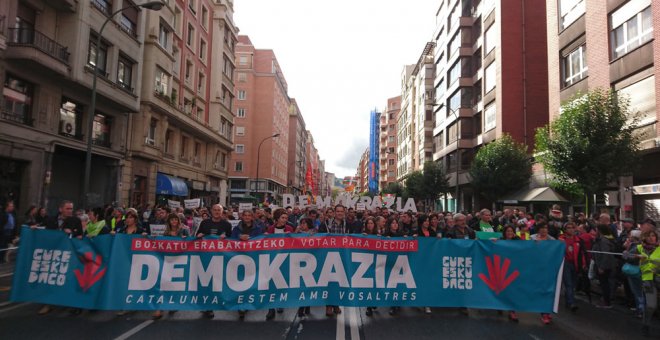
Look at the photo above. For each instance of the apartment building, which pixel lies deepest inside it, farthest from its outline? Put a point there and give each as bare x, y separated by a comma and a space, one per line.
490, 79
48, 52
405, 126
259, 162
388, 142
362, 173
616, 45
297, 156
181, 139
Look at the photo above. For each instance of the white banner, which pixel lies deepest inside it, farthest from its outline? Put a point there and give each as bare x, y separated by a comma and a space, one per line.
173, 204
244, 206
192, 203
157, 229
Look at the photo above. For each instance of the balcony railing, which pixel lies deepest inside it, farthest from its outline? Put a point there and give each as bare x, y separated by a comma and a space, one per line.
16, 117
103, 6
26, 36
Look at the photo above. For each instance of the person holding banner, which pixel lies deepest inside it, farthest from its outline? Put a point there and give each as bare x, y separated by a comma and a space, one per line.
380, 225
509, 234
130, 225
216, 225
336, 225
542, 235
96, 225
424, 224
370, 227
460, 229
305, 226
247, 228
393, 230
281, 224
175, 228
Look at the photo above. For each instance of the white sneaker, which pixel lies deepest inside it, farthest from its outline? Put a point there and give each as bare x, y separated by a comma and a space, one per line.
427, 310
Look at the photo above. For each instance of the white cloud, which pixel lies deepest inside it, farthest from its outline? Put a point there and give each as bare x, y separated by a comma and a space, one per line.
341, 59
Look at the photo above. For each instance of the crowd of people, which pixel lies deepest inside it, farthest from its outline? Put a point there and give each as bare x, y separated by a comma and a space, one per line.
615, 253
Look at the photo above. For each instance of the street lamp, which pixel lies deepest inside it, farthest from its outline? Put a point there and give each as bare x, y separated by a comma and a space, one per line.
152, 5
259, 154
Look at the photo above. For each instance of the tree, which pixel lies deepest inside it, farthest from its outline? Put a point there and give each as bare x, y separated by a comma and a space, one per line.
591, 143
414, 185
500, 167
434, 182
394, 188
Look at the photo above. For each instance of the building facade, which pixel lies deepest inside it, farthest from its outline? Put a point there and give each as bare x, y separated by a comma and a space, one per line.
490, 79
297, 155
181, 139
388, 142
48, 53
405, 126
259, 162
612, 45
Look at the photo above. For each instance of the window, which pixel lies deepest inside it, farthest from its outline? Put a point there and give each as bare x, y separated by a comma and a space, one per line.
168, 141
632, 27
390, 162
201, 81
189, 66
390, 150
452, 132
125, 73
70, 118
163, 35
642, 99
105, 6
569, 11
240, 131
574, 66
454, 72
162, 81
454, 103
101, 130
490, 115
223, 160
205, 17
191, 35
490, 38
390, 139
240, 113
97, 56
228, 68
202, 49
184, 147
151, 133
196, 152
491, 77
192, 6
243, 60
240, 148
128, 19
241, 95
454, 44
223, 127
242, 77
238, 167
17, 94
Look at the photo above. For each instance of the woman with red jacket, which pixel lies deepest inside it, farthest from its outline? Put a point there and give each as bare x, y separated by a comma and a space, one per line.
573, 262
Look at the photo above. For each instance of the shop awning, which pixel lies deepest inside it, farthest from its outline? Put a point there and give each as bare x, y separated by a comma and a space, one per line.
168, 185
536, 195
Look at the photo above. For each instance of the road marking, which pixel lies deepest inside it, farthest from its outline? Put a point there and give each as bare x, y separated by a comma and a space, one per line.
13, 307
6, 275
353, 322
534, 337
135, 329
341, 324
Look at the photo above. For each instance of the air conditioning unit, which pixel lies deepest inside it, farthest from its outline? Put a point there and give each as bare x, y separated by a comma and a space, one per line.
149, 141
68, 123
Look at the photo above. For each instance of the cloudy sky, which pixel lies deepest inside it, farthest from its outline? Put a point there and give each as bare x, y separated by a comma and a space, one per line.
341, 59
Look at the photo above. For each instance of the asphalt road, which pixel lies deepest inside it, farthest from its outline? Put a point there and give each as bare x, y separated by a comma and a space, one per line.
20, 321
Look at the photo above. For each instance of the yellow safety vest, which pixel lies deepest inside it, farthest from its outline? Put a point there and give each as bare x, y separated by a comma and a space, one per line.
648, 267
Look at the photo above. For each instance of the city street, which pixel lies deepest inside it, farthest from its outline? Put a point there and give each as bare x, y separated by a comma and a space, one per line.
20, 321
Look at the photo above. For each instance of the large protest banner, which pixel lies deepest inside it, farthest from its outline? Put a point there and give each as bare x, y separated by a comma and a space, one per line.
125, 272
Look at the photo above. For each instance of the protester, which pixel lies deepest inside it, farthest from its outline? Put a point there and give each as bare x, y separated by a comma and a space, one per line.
336, 225
30, 216
424, 230
306, 227
486, 221
509, 234
648, 254
9, 225
216, 225
460, 229
281, 224
573, 263
96, 224
606, 264
246, 229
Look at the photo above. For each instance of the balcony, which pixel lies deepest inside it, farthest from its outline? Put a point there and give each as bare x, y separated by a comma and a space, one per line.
16, 117
30, 44
64, 5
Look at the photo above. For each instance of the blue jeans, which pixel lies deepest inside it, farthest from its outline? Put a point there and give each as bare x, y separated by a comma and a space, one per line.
635, 284
570, 281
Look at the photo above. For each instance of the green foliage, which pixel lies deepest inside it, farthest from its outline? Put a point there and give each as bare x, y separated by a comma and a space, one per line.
500, 167
591, 143
394, 188
427, 184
